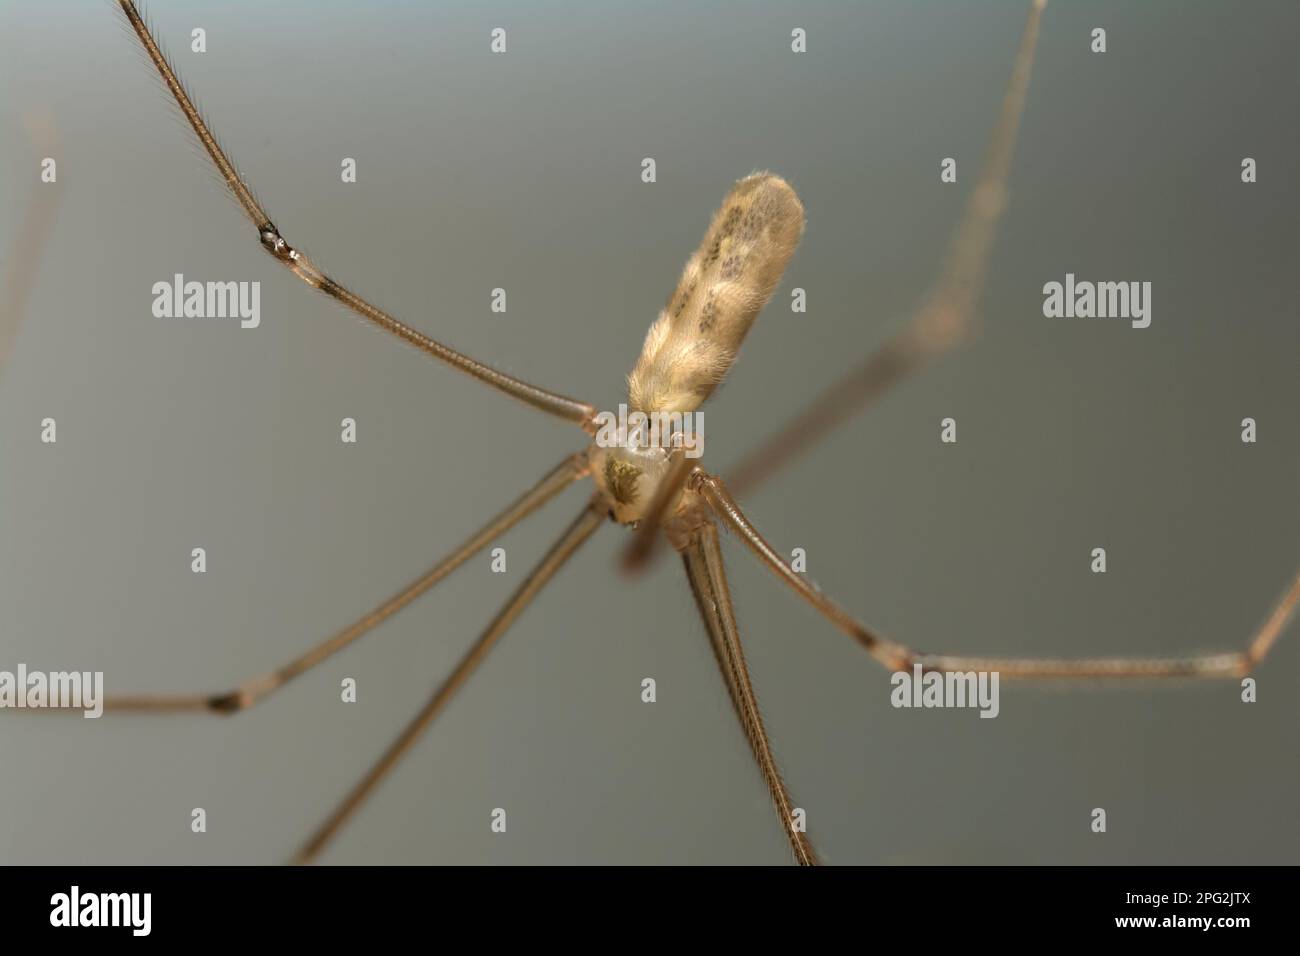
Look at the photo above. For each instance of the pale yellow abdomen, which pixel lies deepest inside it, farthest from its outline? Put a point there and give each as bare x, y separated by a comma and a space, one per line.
692, 344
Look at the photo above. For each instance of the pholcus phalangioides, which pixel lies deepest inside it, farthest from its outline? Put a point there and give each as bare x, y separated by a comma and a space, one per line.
735, 270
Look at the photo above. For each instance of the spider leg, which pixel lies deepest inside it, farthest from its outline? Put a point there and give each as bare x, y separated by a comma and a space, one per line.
642, 546
900, 657
577, 533
707, 574
254, 690
297, 262
947, 311
29, 242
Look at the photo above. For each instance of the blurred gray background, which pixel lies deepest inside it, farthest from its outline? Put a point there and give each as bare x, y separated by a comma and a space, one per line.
522, 171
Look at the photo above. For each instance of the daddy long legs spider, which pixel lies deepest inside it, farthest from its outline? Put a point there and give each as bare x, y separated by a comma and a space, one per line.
937, 325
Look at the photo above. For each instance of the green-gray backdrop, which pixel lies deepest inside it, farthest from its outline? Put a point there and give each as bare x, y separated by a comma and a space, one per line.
522, 171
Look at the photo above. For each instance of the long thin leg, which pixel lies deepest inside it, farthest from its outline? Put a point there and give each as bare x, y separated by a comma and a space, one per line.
28, 243
641, 547
947, 312
256, 689
578, 532
708, 577
900, 657
298, 263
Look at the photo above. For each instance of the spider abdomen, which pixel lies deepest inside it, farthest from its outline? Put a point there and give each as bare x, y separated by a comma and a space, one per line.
730, 277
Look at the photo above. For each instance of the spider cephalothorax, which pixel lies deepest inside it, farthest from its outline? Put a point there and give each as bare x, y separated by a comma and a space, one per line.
629, 477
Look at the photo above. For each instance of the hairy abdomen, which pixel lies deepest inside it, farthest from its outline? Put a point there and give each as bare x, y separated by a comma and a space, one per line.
692, 344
